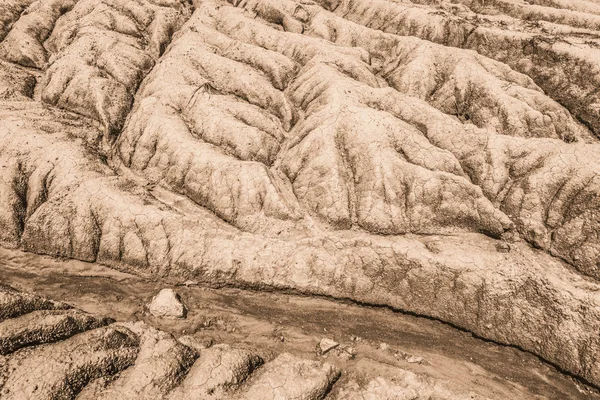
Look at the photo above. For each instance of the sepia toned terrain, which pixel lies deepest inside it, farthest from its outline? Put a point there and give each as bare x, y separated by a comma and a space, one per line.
428, 166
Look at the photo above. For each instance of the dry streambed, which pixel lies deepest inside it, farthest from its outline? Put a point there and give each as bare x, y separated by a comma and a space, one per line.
377, 351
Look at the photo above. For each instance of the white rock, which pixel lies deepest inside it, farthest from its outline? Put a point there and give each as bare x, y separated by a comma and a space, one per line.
167, 304
327, 344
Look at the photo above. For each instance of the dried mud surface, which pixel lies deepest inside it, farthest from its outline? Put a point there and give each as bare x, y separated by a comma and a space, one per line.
439, 158
396, 355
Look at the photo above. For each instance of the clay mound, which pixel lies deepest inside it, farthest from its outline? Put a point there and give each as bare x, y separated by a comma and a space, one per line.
101, 50
432, 157
137, 361
560, 56
75, 206
14, 303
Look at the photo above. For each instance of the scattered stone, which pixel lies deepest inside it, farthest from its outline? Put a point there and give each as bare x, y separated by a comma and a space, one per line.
355, 338
347, 352
190, 283
409, 358
415, 360
503, 247
167, 304
325, 345
384, 347
229, 329
278, 335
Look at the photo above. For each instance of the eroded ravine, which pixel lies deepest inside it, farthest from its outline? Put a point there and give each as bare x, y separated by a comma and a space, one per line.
319, 148
260, 320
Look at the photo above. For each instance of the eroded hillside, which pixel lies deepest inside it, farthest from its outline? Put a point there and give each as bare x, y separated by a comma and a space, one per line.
436, 157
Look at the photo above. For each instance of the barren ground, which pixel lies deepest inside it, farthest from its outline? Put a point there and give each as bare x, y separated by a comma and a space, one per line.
310, 165
260, 319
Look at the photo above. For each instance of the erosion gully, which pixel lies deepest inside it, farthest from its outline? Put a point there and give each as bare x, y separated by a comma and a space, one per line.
277, 322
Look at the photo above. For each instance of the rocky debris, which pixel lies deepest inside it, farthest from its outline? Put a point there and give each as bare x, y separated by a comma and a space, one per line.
325, 345
278, 334
409, 358
347, 352
167, 304
503, 247
415, 360
328, 346
214, 322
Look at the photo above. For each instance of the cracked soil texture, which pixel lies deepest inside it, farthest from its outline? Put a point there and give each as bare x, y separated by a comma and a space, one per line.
435, 157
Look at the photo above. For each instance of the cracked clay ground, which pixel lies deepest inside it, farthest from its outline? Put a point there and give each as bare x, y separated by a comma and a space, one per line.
354, 199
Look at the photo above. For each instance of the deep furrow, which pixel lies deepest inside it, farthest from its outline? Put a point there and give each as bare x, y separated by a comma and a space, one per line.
315, 147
